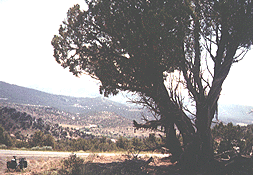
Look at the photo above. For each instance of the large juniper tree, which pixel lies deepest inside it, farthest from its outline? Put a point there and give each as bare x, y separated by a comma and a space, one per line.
134, 45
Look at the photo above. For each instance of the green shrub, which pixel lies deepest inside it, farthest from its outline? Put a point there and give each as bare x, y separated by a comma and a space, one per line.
3, 146
44, 148
72, 166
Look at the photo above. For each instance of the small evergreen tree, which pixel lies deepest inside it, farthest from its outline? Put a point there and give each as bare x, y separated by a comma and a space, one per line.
5, 137
37, 139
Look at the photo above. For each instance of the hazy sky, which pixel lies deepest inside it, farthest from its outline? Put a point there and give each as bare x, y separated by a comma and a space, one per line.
26, 30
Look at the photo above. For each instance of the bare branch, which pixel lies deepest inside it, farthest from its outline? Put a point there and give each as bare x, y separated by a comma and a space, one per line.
208, 67
187, 110
209, 49
243, 53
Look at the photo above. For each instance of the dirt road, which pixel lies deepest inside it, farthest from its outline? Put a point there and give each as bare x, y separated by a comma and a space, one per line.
20, 153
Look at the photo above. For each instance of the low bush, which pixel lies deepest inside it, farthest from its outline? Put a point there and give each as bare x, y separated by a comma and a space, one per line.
3, 146
72, 166
44, 148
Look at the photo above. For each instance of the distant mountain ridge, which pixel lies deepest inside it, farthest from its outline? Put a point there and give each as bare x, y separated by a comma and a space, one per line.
17, 94
238, 114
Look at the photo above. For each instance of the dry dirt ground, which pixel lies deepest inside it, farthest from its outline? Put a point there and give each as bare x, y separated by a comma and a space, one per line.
40, 164
49, 163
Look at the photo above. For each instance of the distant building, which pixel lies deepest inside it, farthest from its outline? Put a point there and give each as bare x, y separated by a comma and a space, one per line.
114, 140
93, 126
242, 124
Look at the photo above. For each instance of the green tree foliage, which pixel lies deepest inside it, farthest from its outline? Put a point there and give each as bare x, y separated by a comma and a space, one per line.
137, 45
72, 166
105, 44
21, 144
48, 140
137, 144
104, 144
123, 143
5, 137
152, 142
40, 139
248, 137
227, 137
37, 139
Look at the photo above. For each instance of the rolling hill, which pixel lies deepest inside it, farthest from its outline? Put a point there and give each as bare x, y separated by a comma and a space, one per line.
86, 106
94, 106
238, 114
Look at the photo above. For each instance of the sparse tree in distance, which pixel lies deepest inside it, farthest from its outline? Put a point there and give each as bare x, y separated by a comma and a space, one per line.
48, 140
136, 45
37, 139
40, 139
5, 137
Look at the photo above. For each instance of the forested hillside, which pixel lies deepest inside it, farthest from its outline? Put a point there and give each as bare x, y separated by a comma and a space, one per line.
21, 130
23, 125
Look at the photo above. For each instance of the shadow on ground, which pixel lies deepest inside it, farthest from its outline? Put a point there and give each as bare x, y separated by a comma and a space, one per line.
239, 165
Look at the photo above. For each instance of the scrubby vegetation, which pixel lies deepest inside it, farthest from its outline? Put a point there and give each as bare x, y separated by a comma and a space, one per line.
75, 165
103, 144
23, 120
226, 138
41, 141
5, 139
21, 130
230, 142
229, 137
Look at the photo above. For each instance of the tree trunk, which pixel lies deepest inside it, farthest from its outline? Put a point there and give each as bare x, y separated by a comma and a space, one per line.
168, 112
172, 142
199, 153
